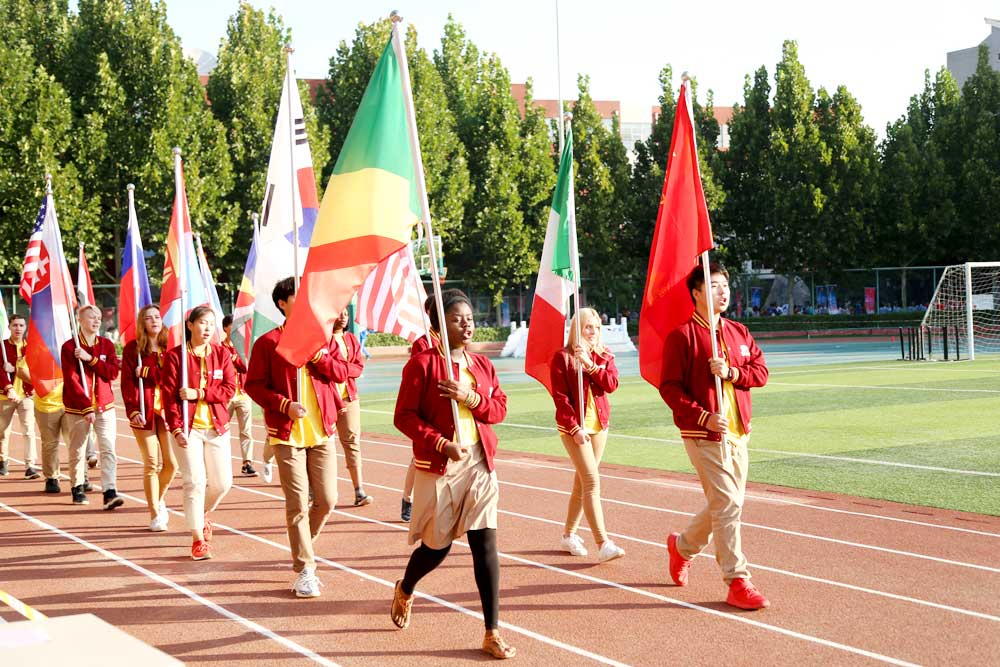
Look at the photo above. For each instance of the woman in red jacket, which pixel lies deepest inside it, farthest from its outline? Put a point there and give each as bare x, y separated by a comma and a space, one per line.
142, 359
455, 492
585, 440
203, 451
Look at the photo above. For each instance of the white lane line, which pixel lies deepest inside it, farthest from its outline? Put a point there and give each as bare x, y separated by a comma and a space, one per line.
884, 386
828, 457
222, 611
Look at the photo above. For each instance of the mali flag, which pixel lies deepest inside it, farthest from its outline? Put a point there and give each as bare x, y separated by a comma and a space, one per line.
368, 212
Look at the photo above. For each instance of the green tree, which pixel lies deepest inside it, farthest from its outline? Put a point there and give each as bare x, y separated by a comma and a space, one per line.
538, 173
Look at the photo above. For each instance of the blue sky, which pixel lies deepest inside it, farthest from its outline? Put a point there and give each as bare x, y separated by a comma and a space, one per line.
878, 49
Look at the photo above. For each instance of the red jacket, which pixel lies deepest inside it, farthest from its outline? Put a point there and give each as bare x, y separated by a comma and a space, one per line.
421, 344
601, 381
355, 362
271, 383
219, 386
238, 364
689, 388
426, 418
151, 375
100, 372
7, 379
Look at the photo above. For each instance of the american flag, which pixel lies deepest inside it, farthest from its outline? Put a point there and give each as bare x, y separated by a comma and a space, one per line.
392, 298
30, 267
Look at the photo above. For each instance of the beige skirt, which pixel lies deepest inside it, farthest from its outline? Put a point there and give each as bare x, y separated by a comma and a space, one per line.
447, 506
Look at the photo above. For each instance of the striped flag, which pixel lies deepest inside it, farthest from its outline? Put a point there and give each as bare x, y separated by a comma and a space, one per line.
133, 286
213, 294
392, 298
546, 333
241, 333
29, 270
368, 211
84, 287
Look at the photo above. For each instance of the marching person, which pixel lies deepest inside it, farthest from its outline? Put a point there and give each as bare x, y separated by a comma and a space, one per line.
142, 359
241, 403
419, 345
16, 396
203, 452
300, 434
455, 492
89, 404
585, 442
349, 416
688, 387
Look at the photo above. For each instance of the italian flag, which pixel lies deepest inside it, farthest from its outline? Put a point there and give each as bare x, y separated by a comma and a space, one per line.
368, 211
556, 281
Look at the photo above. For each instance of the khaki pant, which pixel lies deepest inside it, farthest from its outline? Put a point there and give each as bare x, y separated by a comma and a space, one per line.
586, 496
300, 470
158, 463
242, 407
207, 474
25, 409
349, 434
52, 426
719, 521
106, 428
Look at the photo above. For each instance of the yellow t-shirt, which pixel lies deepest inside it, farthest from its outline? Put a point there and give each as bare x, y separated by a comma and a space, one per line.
731, 411
18, 363
341, 386
202, 412
308, 431
52, 402
590, 421
466, 422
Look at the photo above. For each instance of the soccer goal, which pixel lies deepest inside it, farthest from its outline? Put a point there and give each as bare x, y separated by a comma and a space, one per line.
966, 304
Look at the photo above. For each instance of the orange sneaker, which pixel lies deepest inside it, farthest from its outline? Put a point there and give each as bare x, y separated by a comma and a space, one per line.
679, 565
744, 595
207, 530
200, 550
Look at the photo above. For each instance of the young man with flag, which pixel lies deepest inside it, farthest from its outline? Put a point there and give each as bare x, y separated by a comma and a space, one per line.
708, 429
89, 404
16, 396
349, 415
240, 404
300, 430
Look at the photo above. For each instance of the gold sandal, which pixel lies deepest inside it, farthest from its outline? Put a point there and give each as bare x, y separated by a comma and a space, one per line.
494, 646
401, 606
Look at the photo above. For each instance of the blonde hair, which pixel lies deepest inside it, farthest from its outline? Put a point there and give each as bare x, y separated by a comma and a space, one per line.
142, 340
82, 309
587, 313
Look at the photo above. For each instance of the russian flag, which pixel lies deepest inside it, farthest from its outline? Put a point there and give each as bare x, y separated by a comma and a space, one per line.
133, 285
51, 300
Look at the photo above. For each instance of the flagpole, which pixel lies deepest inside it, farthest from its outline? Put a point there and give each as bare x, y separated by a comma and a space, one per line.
559, 111
67, 288
575, 259
295, 223
182, 214
425, 209
135, 295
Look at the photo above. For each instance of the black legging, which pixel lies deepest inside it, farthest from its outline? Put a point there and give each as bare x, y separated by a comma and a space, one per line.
485, 564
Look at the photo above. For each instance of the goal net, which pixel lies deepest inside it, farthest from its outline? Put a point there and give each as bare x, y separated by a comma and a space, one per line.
966, 308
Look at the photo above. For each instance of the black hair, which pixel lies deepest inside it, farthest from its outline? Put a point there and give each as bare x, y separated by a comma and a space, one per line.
282, 290
196, 314
697, 277
429, 304
226, 321
450, 298
18, 316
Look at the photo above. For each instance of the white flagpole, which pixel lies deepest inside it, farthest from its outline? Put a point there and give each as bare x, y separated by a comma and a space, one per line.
135, 296
67, 288
559, 111
575, 259
182, 213
425, 209
296, 213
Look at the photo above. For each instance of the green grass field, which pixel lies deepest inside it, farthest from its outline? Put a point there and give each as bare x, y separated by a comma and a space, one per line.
920, 433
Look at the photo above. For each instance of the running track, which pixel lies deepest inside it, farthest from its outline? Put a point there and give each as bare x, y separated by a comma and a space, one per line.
852, 581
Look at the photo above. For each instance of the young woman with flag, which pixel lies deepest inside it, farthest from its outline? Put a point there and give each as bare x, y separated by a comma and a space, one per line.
142, 359
455, 492
349, 415
584, 441
203, 452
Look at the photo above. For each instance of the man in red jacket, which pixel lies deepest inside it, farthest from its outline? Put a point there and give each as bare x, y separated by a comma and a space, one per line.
688, 387
300, 433
89, 404
16, 396
240, 404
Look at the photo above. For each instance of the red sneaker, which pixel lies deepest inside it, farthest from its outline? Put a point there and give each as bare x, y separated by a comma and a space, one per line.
200, 550
679, 565
207, 530
744, 595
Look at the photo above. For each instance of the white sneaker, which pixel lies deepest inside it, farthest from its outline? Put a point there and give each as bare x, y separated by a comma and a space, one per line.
268, 472
573, 544
158, 525
307, 585
609, 551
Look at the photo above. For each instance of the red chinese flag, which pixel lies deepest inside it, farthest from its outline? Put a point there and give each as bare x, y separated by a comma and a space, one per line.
683, 232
